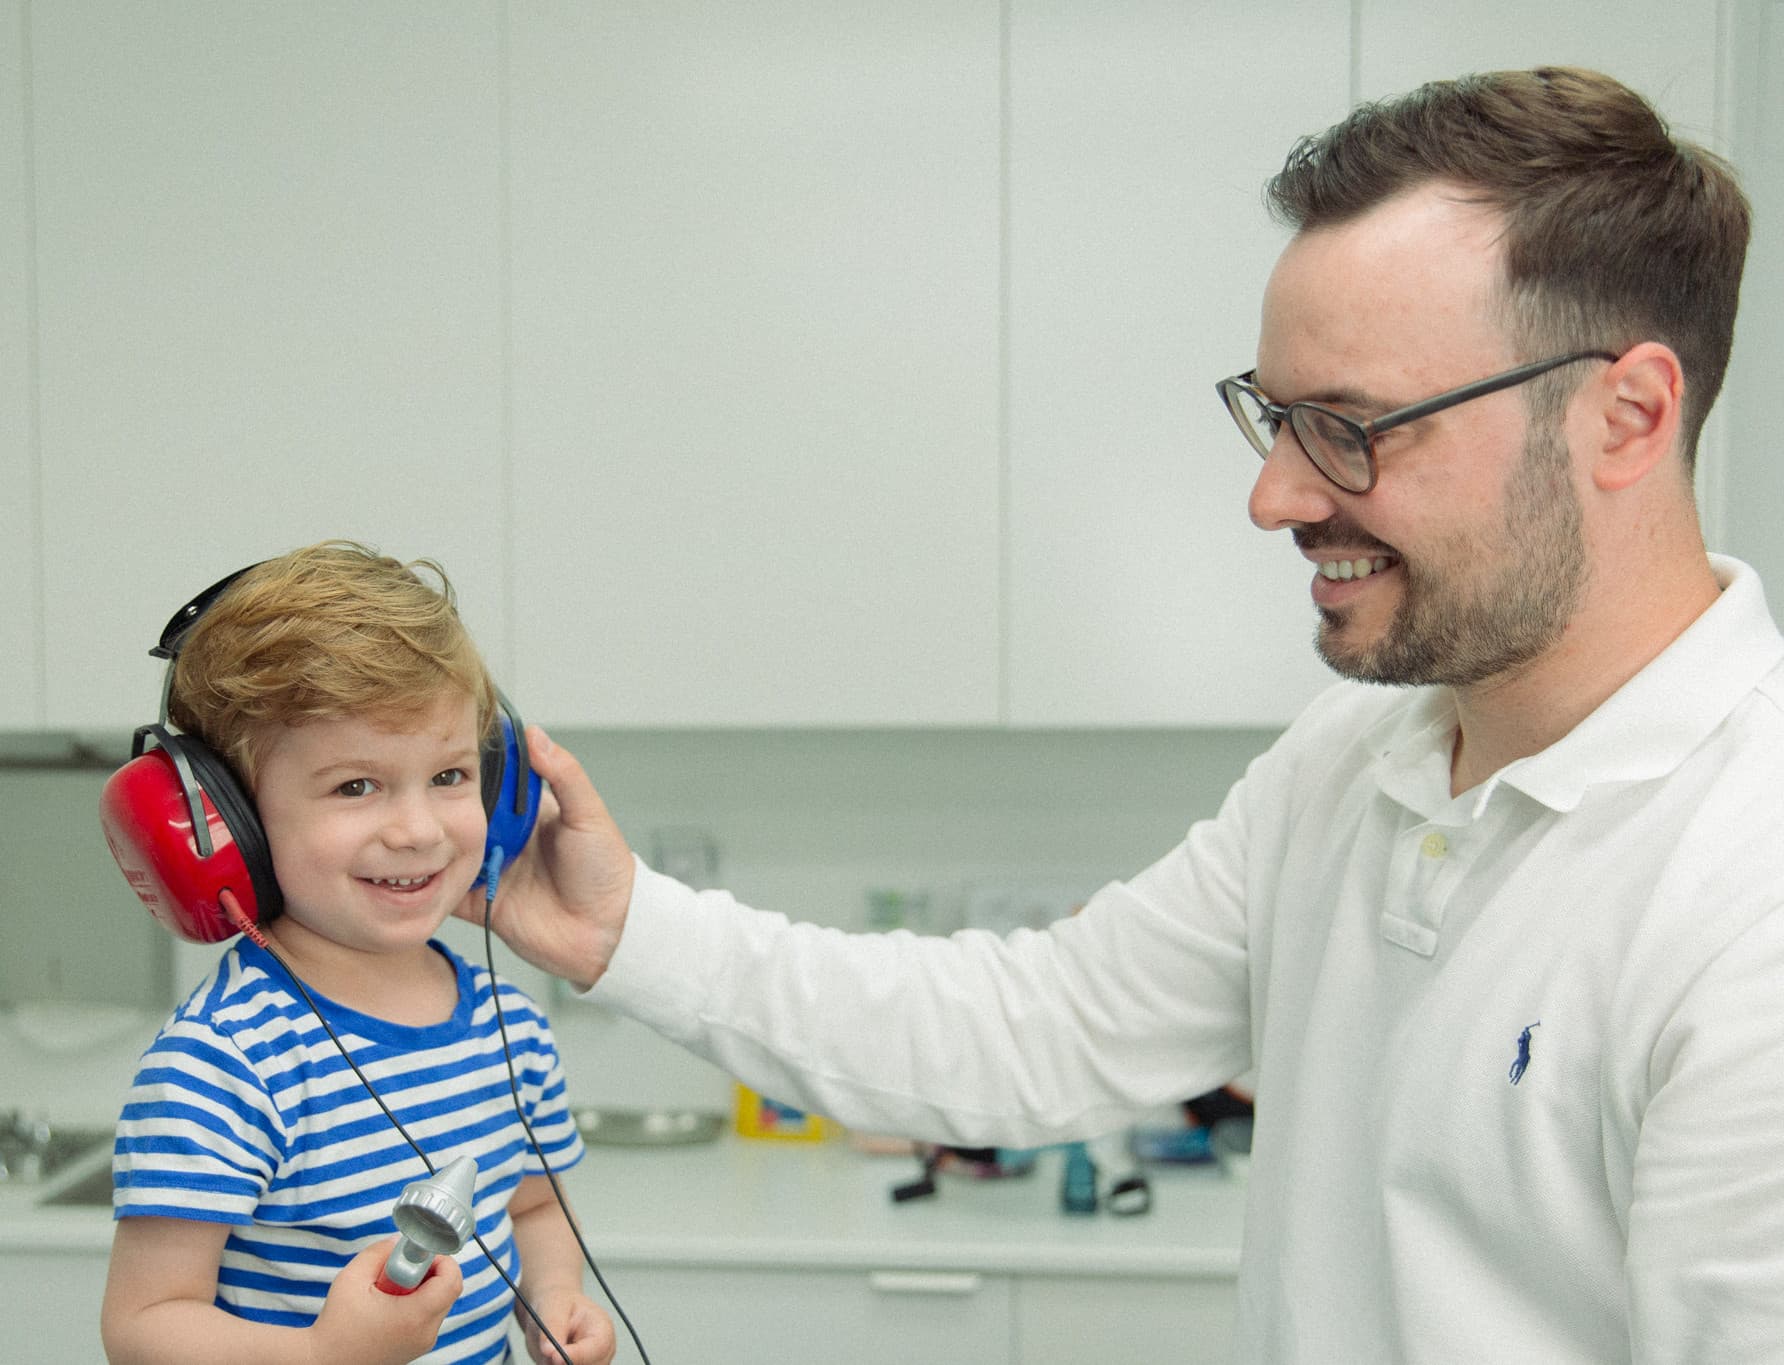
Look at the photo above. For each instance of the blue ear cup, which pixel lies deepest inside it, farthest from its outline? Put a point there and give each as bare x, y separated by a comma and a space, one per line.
510, 792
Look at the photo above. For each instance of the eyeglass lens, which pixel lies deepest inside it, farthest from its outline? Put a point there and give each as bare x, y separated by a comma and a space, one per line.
1331, 445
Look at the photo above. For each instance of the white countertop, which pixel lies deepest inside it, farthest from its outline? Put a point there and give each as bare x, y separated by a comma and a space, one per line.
792, 1205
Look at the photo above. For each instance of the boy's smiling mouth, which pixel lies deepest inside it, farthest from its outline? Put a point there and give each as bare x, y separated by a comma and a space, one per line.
402, 883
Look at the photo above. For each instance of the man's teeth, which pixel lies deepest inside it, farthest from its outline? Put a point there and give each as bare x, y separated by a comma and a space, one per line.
400, 881
1353, 568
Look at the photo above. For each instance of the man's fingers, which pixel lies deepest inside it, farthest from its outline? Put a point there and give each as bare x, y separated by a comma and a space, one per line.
579, 804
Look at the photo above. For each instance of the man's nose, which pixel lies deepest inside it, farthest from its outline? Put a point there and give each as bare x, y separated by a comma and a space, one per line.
1289, 490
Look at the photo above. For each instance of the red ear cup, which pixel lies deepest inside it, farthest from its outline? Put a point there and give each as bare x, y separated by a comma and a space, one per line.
146, 812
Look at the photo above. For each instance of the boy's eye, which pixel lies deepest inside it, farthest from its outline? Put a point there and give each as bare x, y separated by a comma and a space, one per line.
354, 786
451, 777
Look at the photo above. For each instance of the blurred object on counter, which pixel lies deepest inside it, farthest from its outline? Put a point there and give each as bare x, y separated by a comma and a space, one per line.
1184, 1145
1231, 1141
1002, 907
1077, 1180
647, 1127
1130, 1192
687, 853
1228, 1102
1190, 1140
891, 907
976, 1163
760, 1117
882, 1144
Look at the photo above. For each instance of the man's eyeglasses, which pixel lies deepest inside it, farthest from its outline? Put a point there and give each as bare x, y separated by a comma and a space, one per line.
1342, 448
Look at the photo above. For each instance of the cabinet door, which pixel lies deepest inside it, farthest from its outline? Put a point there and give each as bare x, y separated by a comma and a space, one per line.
268, 245
49, 1308
1140, 137
1064, 1321
755, 361
21, 603
1664, 48
1755, 476
797, 1317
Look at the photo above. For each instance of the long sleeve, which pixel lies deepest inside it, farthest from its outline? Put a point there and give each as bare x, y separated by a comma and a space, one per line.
1044, 1036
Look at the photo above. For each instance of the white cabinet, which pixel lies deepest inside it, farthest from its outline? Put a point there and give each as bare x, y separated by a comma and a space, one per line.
1140, 138
269, 309
756, 362
777, 364
1666, 50
813, 1317
1061, 1320
21, 658
1755, 483
943, 1317
49, 1305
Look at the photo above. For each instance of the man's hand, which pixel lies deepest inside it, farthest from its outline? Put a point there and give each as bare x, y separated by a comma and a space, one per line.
562, 903
360, 1322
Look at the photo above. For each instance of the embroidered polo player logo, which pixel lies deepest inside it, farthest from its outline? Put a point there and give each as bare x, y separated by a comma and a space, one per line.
1523, 1062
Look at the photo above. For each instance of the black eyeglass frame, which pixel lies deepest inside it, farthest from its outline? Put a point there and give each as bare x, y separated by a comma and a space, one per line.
1364, 433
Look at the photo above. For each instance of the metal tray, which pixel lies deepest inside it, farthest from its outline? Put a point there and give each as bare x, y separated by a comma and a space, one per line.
647, 1127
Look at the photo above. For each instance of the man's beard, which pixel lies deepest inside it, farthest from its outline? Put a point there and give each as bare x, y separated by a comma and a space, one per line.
1454, 630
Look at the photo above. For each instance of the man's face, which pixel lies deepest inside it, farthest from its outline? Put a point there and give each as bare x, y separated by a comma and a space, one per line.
375, 833
1467, 559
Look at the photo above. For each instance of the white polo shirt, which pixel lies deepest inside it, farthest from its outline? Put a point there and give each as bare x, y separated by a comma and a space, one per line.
1519, 1054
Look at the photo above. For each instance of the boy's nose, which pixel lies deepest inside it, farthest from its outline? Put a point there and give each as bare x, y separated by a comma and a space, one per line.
412, 823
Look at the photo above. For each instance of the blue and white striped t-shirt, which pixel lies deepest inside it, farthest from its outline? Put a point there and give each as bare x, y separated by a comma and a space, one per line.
243, 1112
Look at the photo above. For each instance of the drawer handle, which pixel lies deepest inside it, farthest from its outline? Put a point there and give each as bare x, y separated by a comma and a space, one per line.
923, 1282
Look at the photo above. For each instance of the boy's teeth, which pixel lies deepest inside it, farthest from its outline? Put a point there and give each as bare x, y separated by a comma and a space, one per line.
1353, 568
398, 881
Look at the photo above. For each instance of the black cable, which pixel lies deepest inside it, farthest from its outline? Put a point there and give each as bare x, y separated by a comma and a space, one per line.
489, 899
242, 922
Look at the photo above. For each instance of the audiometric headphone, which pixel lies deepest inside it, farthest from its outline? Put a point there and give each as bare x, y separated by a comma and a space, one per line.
183, 827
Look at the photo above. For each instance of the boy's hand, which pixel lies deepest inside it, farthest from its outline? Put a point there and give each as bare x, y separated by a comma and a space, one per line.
562, 903
576, 1320
361, 1323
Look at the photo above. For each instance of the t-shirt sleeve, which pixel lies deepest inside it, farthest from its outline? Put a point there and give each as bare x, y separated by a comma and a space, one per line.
543, 1093
199, 1136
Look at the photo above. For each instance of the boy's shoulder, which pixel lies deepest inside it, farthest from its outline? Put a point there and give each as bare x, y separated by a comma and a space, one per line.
239, 992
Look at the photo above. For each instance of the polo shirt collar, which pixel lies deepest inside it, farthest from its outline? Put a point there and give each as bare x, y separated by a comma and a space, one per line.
1643, 730
1647, 727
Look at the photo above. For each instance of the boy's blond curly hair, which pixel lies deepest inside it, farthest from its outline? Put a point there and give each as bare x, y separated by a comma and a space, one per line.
328, 631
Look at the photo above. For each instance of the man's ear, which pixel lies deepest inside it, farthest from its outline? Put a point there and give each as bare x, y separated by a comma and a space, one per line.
1642, 396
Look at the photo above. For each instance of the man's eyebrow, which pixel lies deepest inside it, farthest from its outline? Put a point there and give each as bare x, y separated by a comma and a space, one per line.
1335, 398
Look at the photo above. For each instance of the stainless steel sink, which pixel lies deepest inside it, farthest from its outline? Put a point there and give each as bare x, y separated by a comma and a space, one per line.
34, 1152
92, 1190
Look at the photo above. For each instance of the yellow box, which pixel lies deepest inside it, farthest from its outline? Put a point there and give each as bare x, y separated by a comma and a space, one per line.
760, 1117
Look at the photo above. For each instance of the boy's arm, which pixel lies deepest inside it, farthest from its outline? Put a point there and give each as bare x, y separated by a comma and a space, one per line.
551, 1279
159, 1306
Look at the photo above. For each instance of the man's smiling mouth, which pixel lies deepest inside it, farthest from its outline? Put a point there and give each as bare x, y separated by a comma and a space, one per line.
1337, 569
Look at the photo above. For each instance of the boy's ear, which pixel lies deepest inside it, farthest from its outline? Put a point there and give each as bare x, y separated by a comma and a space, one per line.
1641, 414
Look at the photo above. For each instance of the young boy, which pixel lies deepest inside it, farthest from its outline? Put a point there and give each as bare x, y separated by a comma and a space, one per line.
254, 1174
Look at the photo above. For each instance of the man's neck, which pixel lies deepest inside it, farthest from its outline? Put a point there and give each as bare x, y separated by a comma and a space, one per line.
1525, 710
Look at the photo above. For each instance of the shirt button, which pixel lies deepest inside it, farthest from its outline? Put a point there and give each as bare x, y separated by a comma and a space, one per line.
1434, 846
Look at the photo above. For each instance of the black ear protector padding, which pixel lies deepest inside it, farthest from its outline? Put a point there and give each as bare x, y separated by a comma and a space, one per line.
236, 806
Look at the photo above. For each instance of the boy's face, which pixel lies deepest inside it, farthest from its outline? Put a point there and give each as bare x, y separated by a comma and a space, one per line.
375, 833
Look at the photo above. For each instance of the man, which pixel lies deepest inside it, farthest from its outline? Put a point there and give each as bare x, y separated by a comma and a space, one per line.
1504, 942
